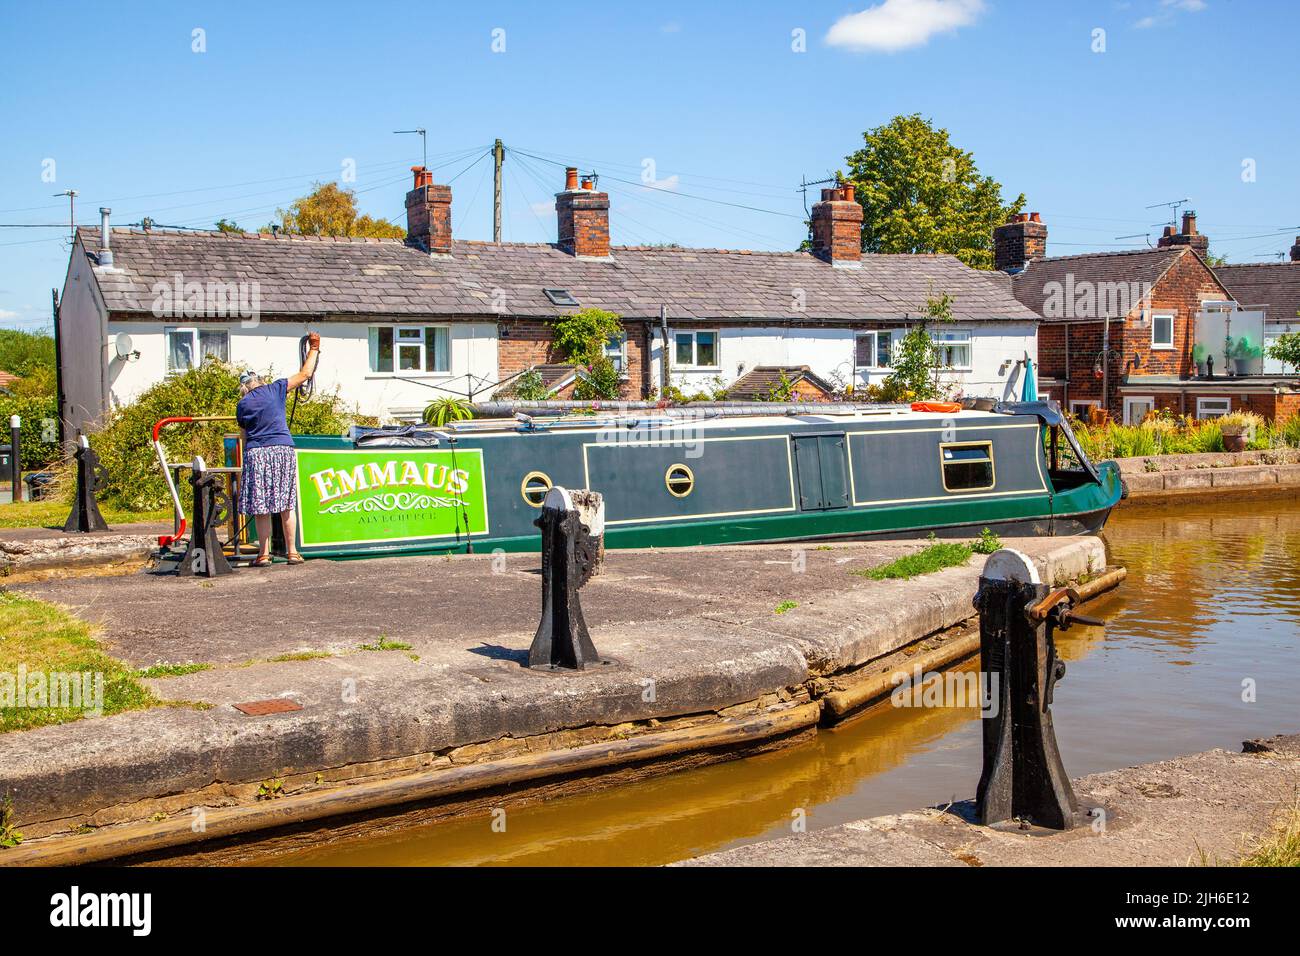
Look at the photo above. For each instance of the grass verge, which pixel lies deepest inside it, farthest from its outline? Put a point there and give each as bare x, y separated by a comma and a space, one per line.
52, 647
46, 514
1282, 846
937, 556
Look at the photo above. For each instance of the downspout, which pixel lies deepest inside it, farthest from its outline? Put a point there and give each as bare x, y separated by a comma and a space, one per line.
1065, 385
1105, 366
58, 368
664, 372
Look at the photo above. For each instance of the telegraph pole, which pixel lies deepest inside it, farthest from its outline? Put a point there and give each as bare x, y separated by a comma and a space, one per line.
498, 156
72, 211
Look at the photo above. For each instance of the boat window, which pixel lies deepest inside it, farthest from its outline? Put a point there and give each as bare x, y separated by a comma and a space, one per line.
680, 481
967, 467
534, 488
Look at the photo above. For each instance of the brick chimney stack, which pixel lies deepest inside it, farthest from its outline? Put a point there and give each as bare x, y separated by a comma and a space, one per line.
1188, 237
428, 214
1018, 240
837, 227
1295, 250
583, 216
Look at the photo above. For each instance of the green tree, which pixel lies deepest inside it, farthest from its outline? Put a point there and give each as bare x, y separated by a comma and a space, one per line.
225, 225
916, 369
920, 193
1287, 349
332, 211
20, 352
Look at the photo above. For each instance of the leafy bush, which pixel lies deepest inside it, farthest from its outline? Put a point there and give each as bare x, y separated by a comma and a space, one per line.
581, 337
602, 381
449, 408
38, 412
125, 447
529, 387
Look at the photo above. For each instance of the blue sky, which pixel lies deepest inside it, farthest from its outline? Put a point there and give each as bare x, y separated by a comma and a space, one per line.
714, 95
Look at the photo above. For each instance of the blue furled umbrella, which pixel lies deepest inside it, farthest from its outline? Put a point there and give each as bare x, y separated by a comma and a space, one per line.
1030, 391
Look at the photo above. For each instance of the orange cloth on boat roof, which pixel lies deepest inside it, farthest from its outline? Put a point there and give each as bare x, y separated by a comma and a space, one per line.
936, 406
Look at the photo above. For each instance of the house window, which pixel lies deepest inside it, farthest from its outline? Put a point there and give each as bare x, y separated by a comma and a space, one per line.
953, 348
1138, 408
695, 349
1080, 409
410, 348
967, 467
1162, 330
872, 349
188, 348
616, 352
1213, 407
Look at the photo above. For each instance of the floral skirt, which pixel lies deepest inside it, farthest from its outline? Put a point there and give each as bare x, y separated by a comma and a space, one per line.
269, 483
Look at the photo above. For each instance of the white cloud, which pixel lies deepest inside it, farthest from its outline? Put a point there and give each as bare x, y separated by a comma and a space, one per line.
1168, 10
901, 24
667, 184
6, 315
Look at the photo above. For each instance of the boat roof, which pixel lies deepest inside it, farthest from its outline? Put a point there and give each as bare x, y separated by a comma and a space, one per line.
720, 417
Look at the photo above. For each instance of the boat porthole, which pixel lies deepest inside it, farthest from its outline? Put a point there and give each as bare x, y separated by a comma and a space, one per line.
534, 488
680, 481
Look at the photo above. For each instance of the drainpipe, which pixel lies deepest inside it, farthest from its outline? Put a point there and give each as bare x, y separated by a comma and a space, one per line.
664, 374
1065, 385
105, 247
1105, 367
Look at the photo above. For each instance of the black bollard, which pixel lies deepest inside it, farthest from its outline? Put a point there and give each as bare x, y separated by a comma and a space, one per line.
91, 476
570, 556
203, 555
1023, 777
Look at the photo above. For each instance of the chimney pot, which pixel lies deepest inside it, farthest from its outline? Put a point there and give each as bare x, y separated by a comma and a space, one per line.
428, 213
1189, 223
105, 238
1019, 240
583, 218
1295, 250
837, 227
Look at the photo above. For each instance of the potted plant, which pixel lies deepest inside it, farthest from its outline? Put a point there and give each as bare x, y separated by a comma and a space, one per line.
1238, 429
1199, 355
1243, 353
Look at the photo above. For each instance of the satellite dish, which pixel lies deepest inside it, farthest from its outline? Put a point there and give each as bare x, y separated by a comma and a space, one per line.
125, 349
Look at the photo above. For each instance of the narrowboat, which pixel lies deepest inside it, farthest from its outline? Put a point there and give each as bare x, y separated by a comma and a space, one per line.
673, 478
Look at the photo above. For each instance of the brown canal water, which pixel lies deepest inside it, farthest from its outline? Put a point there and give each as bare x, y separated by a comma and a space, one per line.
1211, 606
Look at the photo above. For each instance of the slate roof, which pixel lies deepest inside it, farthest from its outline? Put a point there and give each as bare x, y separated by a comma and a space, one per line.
758, 383
314, 275
1143, 266
1272, 284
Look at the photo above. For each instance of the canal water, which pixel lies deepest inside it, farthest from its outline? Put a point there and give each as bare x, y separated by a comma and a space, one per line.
1201, 650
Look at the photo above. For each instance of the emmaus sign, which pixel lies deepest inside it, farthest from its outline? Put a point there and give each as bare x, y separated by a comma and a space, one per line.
374, 497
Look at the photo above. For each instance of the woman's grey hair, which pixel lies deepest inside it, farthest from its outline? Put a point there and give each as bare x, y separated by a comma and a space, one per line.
248, 381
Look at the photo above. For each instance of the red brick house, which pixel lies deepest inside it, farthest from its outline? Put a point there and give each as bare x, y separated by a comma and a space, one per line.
1142, 330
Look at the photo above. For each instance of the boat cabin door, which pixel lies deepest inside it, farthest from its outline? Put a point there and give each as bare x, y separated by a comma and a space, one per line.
821, 464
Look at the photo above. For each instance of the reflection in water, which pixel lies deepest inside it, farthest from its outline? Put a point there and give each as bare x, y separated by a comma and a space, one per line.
1212, 603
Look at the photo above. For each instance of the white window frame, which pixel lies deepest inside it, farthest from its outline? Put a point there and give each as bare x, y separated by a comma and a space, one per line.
968, 344
1085, 404
195, 345
1163, 314
875, 349
1133, 400
618, 355
1201, 409
695, 348
422, 372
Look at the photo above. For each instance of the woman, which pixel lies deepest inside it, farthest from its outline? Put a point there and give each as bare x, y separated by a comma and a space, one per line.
269, 481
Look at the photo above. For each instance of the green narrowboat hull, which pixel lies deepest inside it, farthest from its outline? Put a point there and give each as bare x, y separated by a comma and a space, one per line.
678, 484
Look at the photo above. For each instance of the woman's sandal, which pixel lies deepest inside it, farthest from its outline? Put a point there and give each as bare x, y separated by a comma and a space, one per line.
295, 558
261, 561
